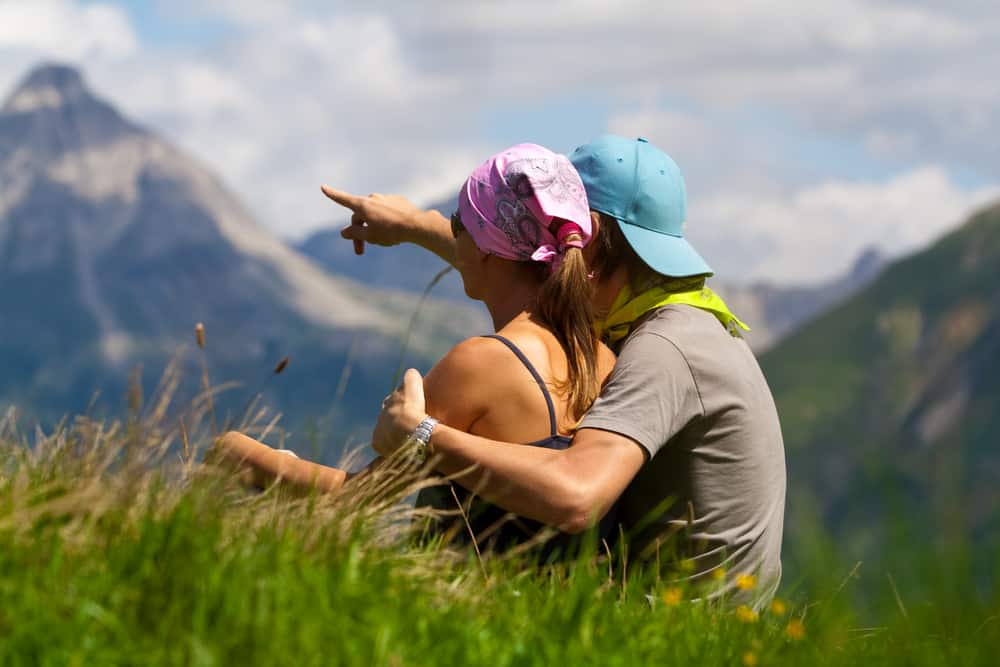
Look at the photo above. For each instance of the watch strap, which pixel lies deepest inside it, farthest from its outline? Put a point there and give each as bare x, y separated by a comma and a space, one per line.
422, 436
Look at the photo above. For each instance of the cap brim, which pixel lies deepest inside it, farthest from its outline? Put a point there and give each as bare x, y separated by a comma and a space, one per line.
666, 254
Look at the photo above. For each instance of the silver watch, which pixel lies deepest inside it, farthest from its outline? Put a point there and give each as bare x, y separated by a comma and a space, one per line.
422, 437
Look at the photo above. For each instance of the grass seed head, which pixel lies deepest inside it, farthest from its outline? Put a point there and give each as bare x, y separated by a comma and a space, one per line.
281, 365
199, 334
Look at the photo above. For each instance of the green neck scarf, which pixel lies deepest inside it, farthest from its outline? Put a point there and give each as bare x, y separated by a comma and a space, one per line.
627, 309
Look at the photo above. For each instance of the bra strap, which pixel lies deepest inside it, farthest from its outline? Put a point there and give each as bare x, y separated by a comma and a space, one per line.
538, 378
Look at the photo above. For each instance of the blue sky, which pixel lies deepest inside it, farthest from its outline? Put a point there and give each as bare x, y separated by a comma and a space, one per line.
805, 137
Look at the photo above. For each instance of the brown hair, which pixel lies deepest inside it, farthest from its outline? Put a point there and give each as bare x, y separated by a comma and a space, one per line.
612, 250
566, 308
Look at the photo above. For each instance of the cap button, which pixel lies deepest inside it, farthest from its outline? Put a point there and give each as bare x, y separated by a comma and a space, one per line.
643, 140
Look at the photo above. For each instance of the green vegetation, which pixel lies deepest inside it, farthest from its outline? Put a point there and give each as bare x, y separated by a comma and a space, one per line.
118, 547
888, 402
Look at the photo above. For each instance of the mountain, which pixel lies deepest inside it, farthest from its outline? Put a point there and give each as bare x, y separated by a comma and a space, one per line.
775, 311
114, 243
404, 267
898, 390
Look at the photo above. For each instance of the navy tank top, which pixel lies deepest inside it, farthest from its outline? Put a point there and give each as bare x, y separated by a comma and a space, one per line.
496, 529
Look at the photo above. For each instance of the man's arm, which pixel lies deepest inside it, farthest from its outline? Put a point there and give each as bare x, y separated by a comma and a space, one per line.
570, 489
389, 220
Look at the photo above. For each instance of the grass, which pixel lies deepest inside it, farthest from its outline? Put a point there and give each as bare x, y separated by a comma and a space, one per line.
116, 548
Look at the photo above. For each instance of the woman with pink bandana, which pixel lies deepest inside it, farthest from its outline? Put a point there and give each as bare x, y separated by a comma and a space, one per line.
521, 225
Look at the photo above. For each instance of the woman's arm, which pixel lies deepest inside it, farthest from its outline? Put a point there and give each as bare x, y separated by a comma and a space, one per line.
389, 220
455, 394
267, 464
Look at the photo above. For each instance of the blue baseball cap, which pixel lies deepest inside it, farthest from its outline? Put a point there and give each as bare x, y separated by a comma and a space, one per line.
640, 186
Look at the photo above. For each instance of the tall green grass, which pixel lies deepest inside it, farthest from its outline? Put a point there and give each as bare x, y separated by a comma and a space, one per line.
119, 545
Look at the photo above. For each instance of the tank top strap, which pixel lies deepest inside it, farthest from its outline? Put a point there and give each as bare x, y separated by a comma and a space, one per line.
553, 429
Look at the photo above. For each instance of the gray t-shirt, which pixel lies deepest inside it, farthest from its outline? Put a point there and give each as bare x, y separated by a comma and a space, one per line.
713, 489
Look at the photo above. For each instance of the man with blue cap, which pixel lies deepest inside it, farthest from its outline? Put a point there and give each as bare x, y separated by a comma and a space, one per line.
683, 444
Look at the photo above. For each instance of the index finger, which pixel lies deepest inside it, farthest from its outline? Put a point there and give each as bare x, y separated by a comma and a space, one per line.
345, 199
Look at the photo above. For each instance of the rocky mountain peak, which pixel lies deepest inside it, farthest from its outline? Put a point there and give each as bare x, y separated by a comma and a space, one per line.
869, 263
48, 86
53, 111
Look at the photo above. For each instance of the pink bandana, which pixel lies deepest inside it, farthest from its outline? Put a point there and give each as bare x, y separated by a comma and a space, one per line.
509, 204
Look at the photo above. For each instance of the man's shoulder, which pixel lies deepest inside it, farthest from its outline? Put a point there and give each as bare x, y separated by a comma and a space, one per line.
696, 336
676, 318
684, 326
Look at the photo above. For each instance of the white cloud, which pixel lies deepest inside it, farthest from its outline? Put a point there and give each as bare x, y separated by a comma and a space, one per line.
341, 105
842, 68
257, 12
60, 25
816, 233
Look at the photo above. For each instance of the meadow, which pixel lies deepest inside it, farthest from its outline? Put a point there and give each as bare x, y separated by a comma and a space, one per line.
120, 544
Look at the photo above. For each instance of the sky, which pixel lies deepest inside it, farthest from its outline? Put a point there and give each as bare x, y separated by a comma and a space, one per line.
807, 132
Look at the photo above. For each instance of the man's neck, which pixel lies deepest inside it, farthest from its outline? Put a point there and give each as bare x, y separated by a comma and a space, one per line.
607, 289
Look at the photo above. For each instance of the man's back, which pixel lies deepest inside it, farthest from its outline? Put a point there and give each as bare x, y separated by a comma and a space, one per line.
694, 397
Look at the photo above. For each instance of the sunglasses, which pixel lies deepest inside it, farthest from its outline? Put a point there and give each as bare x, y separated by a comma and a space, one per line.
456, 224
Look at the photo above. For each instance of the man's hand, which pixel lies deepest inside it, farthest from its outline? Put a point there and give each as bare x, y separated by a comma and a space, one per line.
384, 220
402, 412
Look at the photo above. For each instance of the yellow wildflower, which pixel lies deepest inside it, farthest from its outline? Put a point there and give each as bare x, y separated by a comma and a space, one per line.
672, 596
746, 614
686, 565
719, 573
778, 607
746, 582
750, 659
795, 630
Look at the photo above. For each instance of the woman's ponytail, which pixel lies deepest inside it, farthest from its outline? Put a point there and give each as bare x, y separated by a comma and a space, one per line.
566, 308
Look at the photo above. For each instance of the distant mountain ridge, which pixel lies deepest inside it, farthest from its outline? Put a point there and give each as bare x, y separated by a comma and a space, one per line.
113, 243
774, 312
